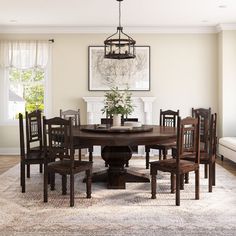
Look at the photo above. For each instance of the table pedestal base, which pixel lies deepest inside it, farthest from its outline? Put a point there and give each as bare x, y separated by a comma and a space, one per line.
118, 182
116, 176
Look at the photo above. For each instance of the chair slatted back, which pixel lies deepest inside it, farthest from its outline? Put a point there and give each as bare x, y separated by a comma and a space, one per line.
188, 137
73, 114
22, 137
33, 129
58, 139
205, 117
169, 118
213, 139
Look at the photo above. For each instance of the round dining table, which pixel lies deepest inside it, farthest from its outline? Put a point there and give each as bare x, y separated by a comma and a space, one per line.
116, 149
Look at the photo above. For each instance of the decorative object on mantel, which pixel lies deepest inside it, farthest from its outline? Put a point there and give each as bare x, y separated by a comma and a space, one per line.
119, 45
117, 104
132, 124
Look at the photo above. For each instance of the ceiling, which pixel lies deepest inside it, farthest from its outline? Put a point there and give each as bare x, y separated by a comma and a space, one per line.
104, 13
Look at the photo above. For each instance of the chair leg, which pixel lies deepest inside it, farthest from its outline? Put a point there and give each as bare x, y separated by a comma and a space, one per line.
210, 177
160, 154
127, 164
205, 171
45, 184
28, 171
164, 153
197, 184
153, 186
214, 174
186, 177
177, 197
147, 150
172, 183
22, 177
72, 193
80, 154
182, 182
64, 183
41, 168
90, 154
52, 181
88, 183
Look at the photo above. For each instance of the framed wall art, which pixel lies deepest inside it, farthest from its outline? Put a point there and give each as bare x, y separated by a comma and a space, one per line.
106, 73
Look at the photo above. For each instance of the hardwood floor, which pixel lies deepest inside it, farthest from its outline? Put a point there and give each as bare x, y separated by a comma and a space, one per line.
227, 164
6, 162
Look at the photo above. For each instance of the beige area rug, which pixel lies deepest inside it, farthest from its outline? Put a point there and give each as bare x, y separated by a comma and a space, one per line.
117, 212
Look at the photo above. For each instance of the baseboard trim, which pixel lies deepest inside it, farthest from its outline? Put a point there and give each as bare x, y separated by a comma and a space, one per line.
9, 151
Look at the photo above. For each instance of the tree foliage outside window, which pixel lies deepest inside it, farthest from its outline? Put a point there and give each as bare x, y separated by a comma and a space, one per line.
27, 88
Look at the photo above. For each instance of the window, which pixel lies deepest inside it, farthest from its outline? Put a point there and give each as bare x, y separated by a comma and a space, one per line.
24, 78
25, 91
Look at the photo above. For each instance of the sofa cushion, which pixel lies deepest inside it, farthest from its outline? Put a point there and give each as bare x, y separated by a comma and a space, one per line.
229, 142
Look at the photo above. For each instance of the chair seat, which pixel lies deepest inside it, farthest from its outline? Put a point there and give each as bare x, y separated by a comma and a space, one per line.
36, 149
169, 165
82, 146
34, 158
63, 166
204, 158
163, 145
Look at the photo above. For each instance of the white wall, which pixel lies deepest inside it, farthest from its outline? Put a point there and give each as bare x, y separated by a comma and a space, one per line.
228, 83
220, 82
184, 73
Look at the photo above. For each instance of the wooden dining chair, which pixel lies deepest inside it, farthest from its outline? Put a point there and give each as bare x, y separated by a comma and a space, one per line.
59, 157
187, 141
34, 144
75, 116
205, 116
208, 157
167, 118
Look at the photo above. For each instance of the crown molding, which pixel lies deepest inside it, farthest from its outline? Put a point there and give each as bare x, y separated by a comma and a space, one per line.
172, 30
111, 29
225, 27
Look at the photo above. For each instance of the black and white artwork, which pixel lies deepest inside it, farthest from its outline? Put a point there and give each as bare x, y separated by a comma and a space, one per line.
106, 73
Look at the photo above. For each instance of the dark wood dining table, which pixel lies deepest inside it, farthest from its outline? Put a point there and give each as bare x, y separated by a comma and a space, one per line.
116, 149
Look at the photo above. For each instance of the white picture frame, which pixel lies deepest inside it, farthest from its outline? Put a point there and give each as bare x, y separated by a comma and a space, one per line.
105, 73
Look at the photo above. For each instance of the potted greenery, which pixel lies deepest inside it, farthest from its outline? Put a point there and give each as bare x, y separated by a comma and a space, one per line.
118, 103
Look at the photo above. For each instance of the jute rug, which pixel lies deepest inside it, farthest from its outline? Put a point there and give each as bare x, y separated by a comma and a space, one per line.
117, 212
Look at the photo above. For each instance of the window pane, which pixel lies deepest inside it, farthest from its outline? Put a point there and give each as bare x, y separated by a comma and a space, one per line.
34, 97
26, 91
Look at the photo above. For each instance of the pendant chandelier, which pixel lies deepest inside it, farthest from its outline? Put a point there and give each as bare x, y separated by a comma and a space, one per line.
119, 45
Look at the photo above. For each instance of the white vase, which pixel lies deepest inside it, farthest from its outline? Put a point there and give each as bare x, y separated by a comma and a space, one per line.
116, 119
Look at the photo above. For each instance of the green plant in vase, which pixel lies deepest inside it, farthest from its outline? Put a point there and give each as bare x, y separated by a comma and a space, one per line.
118, 103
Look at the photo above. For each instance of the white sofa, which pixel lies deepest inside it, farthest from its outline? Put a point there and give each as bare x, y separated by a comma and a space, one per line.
227, 148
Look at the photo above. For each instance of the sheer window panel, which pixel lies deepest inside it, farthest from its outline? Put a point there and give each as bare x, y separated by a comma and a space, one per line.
24, 78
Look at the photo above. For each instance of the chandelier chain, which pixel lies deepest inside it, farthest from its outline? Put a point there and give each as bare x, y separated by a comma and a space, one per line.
119, 14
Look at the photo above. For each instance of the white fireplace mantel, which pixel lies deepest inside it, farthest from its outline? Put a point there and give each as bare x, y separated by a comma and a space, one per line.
142, 111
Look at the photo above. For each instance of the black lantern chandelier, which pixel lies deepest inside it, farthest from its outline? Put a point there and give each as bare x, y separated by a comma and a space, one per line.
119, 45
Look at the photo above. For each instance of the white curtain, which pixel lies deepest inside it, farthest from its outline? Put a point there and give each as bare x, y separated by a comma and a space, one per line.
24, 54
